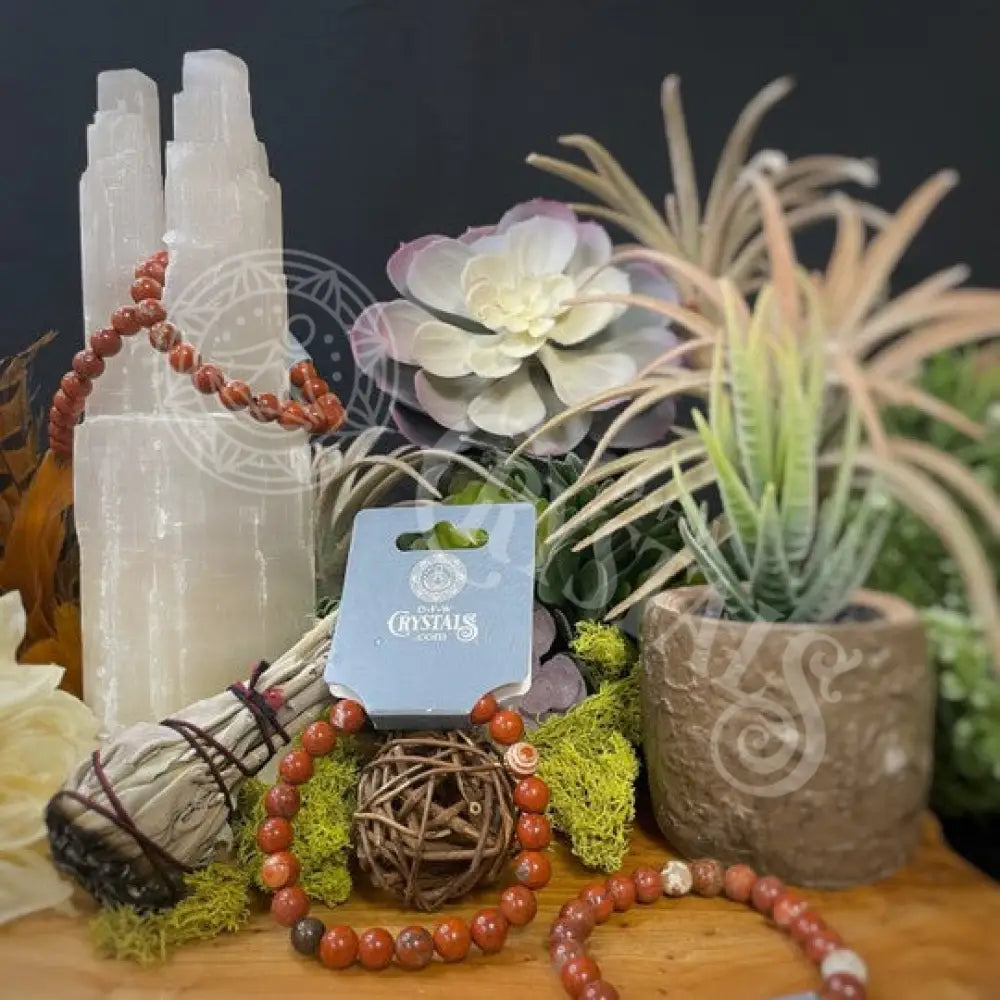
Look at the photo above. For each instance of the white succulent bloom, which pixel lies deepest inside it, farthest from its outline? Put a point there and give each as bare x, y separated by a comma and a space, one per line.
44, 732
492, 338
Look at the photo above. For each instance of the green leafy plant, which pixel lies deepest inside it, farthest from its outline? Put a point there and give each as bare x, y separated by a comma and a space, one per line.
790, 551
872, 346
581, 584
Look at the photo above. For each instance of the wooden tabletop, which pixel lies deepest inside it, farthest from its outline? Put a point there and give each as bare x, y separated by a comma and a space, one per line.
932, 932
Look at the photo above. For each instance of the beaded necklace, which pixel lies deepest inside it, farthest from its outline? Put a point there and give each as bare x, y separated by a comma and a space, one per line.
320, 413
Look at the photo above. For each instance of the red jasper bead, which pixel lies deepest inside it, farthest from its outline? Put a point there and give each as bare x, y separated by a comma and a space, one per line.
301, 372
235, 395
106, 343
161, 257
506, 727
289, 905
314, 389
740, 881
265, 407
842, 986
599, 990
534, 831
821, 944
279, 869
347, 716
319, 738
622, 892
579, 916
317, 422
452, 939
184, 358
208, 379
518, 905
562, 951
68, 407
489, 931
483, 710
296, 767
787, 907
125, 321
564, 930
765, 892
338, 948
282, 800
648, 887
275, 834
88, 364
375, 949
414, 948
332, 409
598, 897
149, 312
163, 336
805, 926
151, 269
531, 795
145, 288
577, 973
76, 387
293, 415
533, 869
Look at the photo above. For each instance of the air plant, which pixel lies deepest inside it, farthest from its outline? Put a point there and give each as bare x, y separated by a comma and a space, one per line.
871, 344
724, 237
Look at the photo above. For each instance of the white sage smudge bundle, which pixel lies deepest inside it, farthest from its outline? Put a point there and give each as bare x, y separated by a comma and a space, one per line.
155, 802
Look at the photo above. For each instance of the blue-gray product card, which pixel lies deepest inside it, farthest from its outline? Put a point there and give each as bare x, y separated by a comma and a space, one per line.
423, 635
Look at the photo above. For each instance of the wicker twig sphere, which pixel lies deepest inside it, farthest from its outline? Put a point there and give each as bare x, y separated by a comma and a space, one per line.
435, 817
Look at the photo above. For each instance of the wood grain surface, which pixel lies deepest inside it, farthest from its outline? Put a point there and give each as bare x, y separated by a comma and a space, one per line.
932, 932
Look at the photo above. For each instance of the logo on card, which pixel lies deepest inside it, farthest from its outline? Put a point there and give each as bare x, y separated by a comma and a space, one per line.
438, 578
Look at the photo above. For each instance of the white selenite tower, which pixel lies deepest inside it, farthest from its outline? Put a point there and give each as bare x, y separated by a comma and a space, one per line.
194, 523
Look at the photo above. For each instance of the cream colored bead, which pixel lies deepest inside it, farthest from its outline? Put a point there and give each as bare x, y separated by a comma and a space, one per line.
676, 878
844, 960
521, 760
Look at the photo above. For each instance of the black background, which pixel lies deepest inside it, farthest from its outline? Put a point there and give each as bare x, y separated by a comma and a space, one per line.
389, 119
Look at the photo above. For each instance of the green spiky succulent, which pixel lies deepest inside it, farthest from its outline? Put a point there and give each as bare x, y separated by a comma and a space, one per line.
789, 547
586, 583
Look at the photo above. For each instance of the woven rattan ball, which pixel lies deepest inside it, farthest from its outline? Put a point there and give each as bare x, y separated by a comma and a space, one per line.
435, 819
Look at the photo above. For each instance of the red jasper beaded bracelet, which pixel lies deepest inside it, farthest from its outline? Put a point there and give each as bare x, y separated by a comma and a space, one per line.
843, 971
321, 412
414, 947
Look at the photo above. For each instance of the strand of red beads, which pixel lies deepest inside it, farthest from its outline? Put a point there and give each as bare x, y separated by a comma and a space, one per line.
340, 946
842, 970
322, 411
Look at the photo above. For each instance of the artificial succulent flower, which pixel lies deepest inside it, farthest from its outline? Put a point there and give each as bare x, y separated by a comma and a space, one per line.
43, 734
491, 340
556, 683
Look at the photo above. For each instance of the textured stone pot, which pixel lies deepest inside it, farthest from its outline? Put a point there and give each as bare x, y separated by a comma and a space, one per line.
804, 751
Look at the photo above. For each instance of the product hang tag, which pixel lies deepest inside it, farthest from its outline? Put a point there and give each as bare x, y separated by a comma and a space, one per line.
422, 635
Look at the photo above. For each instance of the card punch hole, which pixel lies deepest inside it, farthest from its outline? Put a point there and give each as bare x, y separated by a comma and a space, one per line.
442, 537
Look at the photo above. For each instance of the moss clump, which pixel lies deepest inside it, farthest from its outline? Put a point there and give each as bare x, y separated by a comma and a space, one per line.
218, 902
322, 827
590, 766
607, 653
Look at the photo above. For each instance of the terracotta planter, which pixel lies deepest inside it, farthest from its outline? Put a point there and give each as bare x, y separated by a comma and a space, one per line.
804, 751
